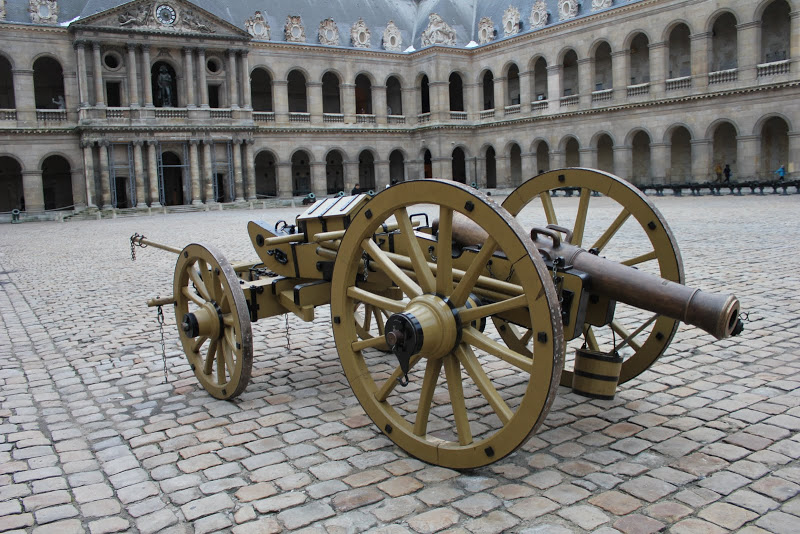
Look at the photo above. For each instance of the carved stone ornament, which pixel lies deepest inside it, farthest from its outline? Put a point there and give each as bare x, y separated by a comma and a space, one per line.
140, 15
257, 26
485, 30
328, 32
2, 9
601, 4
294, 30
511, 19
43, 11
539, 15
392, 40
359, 34
191, 21
567, 9
438, 32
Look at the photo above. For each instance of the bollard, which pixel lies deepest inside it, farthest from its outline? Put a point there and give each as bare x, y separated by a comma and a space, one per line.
15, 216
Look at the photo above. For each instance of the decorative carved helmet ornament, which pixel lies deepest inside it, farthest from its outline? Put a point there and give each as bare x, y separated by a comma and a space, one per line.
511, 19
485, 30
360, 34
539, 15
328, 32
294, 30
392, 39
257, 26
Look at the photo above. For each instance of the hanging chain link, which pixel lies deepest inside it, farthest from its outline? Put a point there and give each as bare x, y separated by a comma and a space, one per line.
135, 244
288, 339
160, 316
557, 280
365, 257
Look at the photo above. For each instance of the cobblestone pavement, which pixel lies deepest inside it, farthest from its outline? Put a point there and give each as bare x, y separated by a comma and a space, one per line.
93, 440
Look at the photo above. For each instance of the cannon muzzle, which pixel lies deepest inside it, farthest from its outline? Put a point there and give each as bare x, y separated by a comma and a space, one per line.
714, 313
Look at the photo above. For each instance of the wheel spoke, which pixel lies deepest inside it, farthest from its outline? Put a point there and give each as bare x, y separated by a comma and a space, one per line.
473, 367
383, 392
580, 218
199, 342
547, 204
444, 261
217, 291
482, 341
630, 339
641, 259
199, 284
208, 364
229, 363
378, 322
432, 370
384, 303
612, 230
418, 260
367, 316
409, 286
452, 371
189, 294
476, 267
368, 343
468, 315
221, 355
228, 319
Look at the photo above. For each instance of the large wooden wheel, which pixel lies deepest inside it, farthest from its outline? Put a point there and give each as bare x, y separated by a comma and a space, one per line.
470, 399
624, 226
213, 321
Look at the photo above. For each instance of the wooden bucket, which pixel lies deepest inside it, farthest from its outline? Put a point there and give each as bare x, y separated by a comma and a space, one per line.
596, 374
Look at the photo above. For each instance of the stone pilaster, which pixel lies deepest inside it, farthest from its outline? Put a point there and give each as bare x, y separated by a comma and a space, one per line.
33, 191
237, 170
138, 167
99, 91
202, 84
88, 172
194, 172
250, 164
105, 176
152, 172
147, 83
133, 79
233, 85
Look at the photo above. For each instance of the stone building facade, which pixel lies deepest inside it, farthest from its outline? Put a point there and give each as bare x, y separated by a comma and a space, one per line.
113, 105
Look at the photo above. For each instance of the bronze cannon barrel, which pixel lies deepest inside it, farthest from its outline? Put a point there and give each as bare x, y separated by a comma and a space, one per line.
714, 313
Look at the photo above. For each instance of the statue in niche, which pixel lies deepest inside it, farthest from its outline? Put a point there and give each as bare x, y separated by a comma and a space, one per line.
164, 87
139, 16
601, 4
438, 32
59, 103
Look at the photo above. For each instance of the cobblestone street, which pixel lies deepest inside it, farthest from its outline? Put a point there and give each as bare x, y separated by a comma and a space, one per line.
93, 440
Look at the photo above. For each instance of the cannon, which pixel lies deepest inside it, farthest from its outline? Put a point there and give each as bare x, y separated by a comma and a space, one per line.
451, 321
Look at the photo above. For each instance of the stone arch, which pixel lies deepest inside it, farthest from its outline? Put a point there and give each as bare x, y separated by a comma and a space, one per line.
331, 92
261, 89
423, 83
366, 169
458, 164
363, 93
511, 72
570, 146
486, 80
394, 95
12, 192
723, 54
538, 80
456, 90
514, 152
679, 50
7, 95
541, 148
775, 31
672, 25
603, 73
639, 66
266, 163
603, 144
301, 159
570, 81
761, 6
679, 138
397, 166
489, 165
334, 170
774, 150
297, 90
640, 141
48, 83
427, 162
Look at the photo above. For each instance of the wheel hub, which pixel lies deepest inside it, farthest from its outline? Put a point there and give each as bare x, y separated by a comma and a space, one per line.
429, 326
206, 321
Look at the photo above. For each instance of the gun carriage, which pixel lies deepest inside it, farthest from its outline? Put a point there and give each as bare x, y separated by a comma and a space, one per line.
452, 329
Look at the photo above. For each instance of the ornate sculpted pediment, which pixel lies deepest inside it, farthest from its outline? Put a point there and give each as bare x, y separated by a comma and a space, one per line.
567, 9
511, 19
485, 30
159, 16
601, 4
294, 30
539, 15
328, 32
438, 32
257, 26
359, 34
392, 39
42, 11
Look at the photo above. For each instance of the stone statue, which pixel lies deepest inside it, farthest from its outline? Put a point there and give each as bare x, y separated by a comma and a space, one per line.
164, 87
438, 32
136, 17
59, 102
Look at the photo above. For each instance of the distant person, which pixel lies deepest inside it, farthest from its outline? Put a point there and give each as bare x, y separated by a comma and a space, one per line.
781, 172
718, 172
727, 173
356, 190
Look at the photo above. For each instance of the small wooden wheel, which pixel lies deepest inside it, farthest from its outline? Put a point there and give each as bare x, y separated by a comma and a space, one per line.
213, 321
622, 218
470, 399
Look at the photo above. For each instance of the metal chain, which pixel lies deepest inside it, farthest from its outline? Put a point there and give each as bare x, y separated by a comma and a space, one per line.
160, 316
134, 244
366, 265
557, 280
288, 340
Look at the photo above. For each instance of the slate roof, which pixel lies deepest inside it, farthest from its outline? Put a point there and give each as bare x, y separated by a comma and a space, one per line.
410, 16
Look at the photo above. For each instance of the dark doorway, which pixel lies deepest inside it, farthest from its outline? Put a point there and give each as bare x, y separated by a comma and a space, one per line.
57, 183
260, 90
6, 85
363, 95
172, 174
48, 84
456, 92
334, 172
397, 170
366, 170
491, 168
459, 165
266, 176
164, 84
11, 191
301, 174
427, 162
297, 92
425, 95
